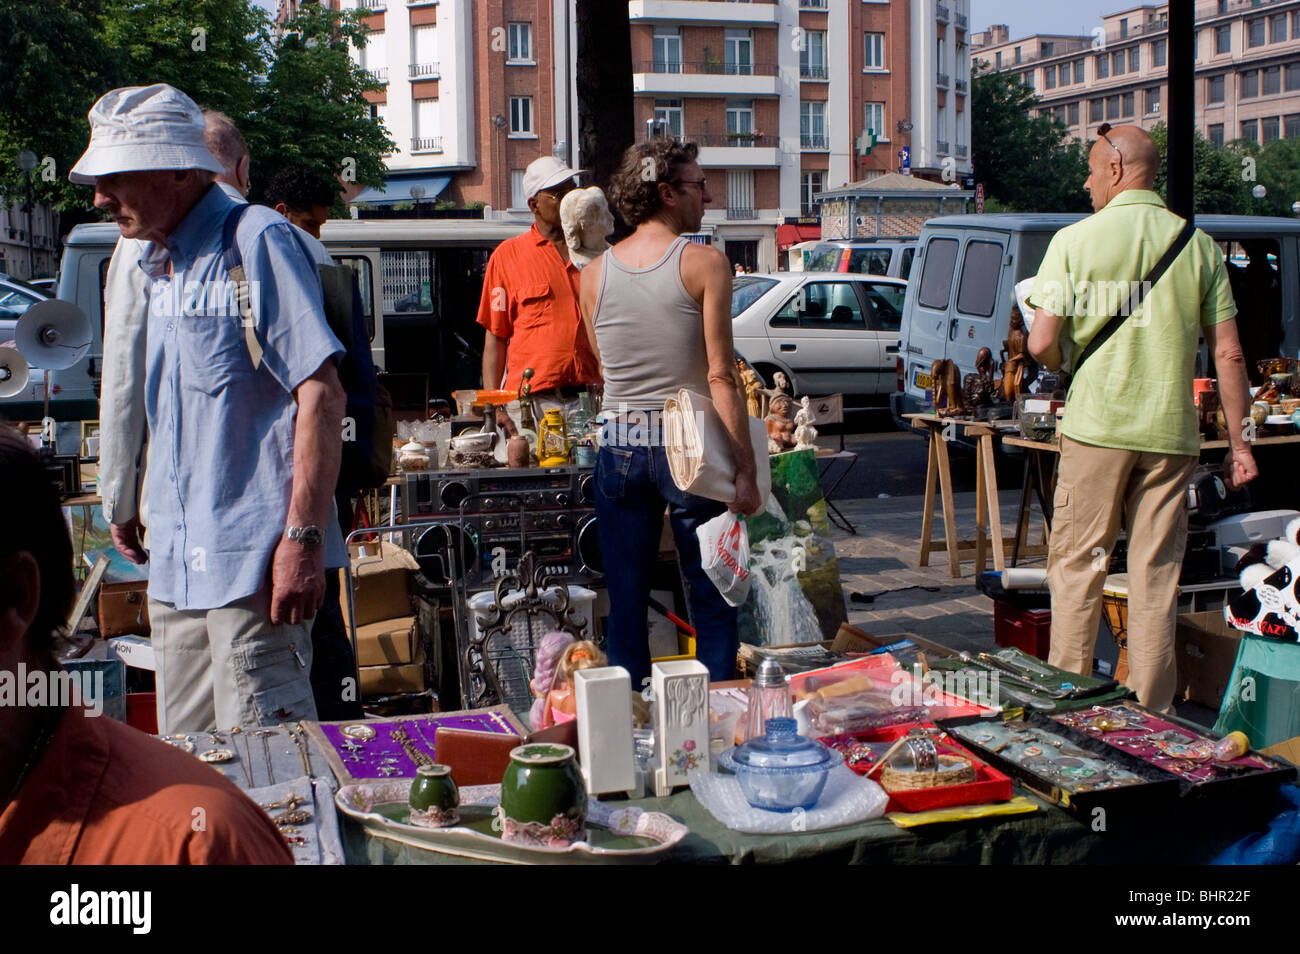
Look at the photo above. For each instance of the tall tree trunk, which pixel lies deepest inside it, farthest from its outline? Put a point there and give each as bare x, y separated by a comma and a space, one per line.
604, 82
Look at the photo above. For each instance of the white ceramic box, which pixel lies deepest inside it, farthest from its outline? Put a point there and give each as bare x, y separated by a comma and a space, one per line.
681, 721
604, 698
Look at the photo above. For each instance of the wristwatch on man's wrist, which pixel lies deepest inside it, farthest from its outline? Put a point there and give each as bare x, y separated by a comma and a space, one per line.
307, 536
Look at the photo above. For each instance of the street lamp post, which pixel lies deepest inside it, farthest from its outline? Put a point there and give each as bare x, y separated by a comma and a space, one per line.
27, 162
417, 193
1295, 208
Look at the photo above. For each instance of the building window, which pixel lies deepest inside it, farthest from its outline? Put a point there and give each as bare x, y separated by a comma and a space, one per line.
521, 115
740, 194
1272, 80
1214, 89
1065, 74
517, 200
1269, 129
1135, 59
1112, 107
667, 50
669, 112
1159, 52
1095, 111
1255, 32
1123, 28
521, 43
1222, 7
873, 119
1250, 130
1291, 125
1072, 115
812, 125
1046, 49
1295, 26
1223, 39
1078, 71
1153, 99
812, 58
1103, 66
740, 119
424, 50
874, 55
809, 184
1277, 28
1049, 77
1292, 77
740, 53
1216, 133
1126, 105
1250, 84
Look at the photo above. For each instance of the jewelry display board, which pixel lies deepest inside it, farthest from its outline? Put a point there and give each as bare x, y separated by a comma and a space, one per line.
396, 747
1178, 749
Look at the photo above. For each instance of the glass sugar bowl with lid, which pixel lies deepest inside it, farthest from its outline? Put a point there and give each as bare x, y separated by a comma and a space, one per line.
781, 770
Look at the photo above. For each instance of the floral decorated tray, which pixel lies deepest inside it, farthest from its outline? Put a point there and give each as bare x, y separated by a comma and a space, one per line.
614, 836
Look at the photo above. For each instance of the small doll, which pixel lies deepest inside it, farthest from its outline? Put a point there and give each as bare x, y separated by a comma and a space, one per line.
561, 704
549, 652
780, 423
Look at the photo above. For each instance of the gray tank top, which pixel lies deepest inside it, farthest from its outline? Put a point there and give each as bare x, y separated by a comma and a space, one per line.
650, 332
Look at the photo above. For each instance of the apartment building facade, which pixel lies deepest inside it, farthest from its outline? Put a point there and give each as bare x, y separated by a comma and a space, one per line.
1247, 69
18, 258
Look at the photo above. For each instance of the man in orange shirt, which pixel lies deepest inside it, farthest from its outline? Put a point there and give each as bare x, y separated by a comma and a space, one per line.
76, 787
530, 300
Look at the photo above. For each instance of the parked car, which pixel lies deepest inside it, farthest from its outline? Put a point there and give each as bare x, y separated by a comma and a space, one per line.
47, 285
15, 298
891, 256
829, 333
968, 265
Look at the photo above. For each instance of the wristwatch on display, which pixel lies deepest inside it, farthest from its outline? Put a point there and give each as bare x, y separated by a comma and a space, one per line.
307, 536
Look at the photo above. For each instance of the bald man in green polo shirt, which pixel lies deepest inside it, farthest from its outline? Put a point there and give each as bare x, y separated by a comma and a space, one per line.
1129, 439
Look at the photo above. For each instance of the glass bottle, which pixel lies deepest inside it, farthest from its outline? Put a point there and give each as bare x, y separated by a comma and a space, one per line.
769, 698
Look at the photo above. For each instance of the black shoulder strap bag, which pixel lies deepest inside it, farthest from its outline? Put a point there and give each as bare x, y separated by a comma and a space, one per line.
1135, 299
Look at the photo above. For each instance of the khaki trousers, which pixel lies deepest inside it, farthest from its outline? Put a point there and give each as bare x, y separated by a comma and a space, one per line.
1096, 487
230, 666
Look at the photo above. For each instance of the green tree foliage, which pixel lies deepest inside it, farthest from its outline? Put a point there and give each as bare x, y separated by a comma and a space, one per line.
1024, 161
311, 109
54, 68
1218, 186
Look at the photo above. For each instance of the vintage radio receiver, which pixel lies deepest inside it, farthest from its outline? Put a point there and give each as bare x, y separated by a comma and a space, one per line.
434, 493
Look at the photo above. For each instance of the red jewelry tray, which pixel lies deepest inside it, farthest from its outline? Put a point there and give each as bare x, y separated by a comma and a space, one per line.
990, 785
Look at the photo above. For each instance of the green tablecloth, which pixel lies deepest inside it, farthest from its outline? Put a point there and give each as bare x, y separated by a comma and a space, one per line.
1188, 832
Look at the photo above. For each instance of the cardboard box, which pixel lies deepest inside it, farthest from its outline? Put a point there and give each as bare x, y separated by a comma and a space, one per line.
386, 680
379, 583
386, 642
1206, 648
1289, 750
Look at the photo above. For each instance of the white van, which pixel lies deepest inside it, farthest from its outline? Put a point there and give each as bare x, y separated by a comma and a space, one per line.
961, 290
421, 310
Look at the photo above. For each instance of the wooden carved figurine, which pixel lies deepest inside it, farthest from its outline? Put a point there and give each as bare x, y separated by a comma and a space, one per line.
780, 423
946, 384
978, 387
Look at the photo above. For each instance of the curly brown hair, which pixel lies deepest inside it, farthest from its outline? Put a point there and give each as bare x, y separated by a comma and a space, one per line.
634, 188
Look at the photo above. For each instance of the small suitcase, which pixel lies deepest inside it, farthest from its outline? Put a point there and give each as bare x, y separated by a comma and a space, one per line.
124, 609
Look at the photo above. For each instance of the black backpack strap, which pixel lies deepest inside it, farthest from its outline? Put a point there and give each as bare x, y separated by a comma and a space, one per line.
1135, 299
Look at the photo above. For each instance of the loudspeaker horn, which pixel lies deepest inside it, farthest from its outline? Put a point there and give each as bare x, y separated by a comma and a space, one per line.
53, 334
14, 371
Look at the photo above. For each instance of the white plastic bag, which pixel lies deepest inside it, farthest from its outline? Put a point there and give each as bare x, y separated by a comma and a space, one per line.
724, 551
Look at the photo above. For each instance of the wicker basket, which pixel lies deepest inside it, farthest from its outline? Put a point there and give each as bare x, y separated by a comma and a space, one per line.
958, 771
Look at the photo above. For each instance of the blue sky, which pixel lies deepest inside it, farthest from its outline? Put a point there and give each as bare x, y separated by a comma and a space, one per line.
1025, 17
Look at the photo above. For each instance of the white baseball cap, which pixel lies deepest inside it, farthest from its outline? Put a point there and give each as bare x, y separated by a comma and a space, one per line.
545, 172
144, 128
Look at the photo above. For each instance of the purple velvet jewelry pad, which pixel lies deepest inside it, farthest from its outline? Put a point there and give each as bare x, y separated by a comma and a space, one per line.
364, 763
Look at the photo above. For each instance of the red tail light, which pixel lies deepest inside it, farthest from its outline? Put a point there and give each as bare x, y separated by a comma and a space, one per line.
901, 377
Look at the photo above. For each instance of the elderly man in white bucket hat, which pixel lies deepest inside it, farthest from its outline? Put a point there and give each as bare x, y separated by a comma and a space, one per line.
244, 408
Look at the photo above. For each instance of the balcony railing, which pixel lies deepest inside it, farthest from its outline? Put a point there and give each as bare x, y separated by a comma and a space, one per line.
738, 213
961, 86
379, 75
961, 151
732, 139
705, 67
812, 71
942, 147
812, 4
942, 80
960, 20
814, 141
941, 13
424, 70
372, 5
427, 144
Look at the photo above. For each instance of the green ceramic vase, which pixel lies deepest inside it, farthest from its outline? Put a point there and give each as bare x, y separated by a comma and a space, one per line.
434, 797
543, 798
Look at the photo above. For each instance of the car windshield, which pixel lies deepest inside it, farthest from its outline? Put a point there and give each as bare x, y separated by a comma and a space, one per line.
747, 290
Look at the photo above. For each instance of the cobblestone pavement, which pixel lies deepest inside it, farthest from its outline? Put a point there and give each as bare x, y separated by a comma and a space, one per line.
883, 557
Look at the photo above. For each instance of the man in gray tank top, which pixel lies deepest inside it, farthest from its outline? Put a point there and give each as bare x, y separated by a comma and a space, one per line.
657, 308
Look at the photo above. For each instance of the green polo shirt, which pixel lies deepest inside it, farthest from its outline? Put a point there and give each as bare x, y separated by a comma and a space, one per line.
1135, 392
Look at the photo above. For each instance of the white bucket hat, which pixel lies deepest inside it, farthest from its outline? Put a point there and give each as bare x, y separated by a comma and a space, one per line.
544, 173
144, 128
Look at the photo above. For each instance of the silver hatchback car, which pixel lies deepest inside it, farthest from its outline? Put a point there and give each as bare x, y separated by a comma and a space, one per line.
831, 333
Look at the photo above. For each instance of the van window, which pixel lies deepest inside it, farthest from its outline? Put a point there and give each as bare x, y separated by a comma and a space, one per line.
905, 264
408, 282
869, 261
980, 271
361, 269
936, 276
1030, 251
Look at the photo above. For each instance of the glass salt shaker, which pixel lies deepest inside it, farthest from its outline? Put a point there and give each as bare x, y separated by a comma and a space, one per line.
769, 698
